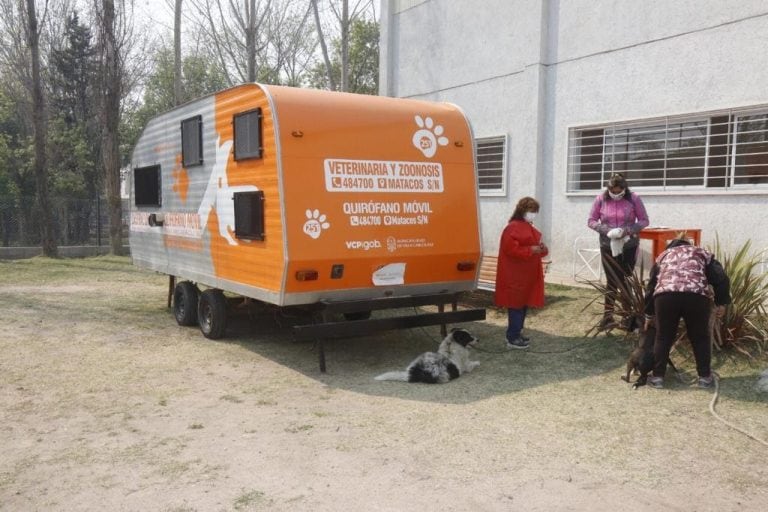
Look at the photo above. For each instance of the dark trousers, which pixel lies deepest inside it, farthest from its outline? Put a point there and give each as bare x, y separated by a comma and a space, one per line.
615, 277
694, 309
516, 322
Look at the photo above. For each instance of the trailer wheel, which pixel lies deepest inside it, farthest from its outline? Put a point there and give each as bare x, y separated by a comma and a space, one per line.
185, 303
212, 313
358, 315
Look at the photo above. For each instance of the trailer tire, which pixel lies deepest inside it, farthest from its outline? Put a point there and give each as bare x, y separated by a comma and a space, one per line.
358, 315
185, 296
212, 313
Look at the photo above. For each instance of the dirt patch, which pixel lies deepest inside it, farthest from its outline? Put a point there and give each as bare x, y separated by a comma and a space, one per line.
107, 404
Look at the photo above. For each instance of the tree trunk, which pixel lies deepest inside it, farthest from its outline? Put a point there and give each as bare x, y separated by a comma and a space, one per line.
250, 40
324, 47
345, 45
110, 118
47, 240
177, 90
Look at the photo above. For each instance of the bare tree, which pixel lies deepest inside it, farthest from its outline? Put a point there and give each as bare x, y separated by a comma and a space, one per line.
292, 41
178, 93
29, 77
324, 47
35, 87
344, 25
234, 34
250, 39
344, 16
123, 59
110, 120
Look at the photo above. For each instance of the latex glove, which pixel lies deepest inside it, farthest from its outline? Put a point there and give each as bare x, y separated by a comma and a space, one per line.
615, 233
617, 245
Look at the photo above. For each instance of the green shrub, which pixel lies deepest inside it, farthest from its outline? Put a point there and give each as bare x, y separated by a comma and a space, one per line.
629, 301
744, 326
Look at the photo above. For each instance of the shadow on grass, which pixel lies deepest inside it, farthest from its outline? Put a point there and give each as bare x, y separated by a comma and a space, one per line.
552, 359
560, 353
352, 363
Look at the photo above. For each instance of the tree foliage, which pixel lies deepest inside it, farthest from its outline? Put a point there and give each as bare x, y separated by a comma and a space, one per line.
363, 60
73, 132
102, 81
745, 324
200, 76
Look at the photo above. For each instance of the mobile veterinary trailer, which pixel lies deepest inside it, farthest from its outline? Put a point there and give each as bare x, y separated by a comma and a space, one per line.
339, 202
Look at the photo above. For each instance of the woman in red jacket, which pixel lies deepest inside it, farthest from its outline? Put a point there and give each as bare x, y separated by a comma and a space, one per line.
519, 275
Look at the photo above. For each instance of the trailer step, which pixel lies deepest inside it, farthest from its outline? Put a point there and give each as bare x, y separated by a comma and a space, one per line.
352, 328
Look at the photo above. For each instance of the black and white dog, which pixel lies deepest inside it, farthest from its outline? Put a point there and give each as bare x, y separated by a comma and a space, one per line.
449, 362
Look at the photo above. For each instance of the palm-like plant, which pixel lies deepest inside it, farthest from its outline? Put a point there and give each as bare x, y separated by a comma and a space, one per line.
628, 300
745, 322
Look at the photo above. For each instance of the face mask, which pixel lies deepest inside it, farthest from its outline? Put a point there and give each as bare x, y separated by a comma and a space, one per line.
529, 216
616, 197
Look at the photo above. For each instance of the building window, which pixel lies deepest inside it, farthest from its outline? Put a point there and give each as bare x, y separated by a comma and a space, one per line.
192, 141
704, 151
491, 164
249, 215
750, 165
247, 134
146, 186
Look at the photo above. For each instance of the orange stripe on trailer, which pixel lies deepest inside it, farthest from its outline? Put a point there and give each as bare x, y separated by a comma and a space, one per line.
256, 263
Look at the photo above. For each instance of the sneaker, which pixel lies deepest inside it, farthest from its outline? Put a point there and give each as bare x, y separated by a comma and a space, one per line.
656, 382
525, 339
518, 344
707, 382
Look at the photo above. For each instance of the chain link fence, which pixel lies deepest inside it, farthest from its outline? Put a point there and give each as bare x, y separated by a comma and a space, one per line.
76, 222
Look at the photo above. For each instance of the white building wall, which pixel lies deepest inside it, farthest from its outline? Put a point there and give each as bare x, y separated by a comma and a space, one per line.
532, 69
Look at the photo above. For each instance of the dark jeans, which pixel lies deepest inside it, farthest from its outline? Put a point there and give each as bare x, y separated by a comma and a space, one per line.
516, 322
614, 278
695, 309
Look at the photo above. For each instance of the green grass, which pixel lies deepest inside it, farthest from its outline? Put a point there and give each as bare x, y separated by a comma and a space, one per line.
143, 396
563, 350
43, 270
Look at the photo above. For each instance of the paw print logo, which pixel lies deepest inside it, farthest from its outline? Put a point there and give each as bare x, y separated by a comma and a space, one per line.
427, 138
315, 224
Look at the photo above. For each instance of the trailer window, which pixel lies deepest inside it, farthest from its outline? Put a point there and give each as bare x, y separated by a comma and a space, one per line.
248, 134
146, 186
192, 141
249, 215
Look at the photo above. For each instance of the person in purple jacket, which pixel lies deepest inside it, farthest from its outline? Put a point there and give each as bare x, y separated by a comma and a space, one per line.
618, 215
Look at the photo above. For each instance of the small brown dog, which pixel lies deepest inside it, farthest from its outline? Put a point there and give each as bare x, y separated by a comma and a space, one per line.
641, 359
634, 363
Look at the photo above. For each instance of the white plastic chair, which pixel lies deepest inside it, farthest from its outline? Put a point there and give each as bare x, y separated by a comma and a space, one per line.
587, 264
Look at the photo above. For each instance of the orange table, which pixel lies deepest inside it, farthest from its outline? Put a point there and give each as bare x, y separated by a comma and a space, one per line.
660, 237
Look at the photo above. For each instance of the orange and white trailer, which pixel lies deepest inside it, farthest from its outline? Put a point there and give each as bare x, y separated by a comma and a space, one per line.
300, 197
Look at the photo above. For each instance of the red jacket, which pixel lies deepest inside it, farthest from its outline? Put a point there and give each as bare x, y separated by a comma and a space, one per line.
519, 274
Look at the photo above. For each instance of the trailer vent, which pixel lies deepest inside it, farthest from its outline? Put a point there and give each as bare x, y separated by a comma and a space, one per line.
249, 215
337, 271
